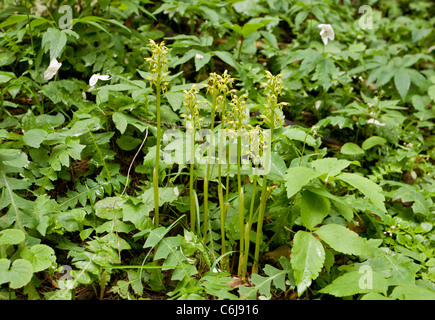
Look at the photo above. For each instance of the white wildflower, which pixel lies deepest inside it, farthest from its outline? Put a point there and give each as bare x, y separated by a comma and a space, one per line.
317, 104
199, 56
94, 79
326, 33
52, 69
375, 122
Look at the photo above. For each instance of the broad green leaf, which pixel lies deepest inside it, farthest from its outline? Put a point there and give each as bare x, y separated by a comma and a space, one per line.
402, 82
314, 208
34, 137
18, 275
343, 240
300, 135
297, 177
201, 59
128, 143
412, 292
40, 256
373, 141
120, 121
307, 259
54, 40
367, 187
226, 57
355, 282
175, 99
330, 166
109, 207
15, 18
11, 236
351, 148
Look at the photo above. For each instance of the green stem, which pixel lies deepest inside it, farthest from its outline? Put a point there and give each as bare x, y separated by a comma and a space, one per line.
156, 168
241, 205
192, 178
206, 179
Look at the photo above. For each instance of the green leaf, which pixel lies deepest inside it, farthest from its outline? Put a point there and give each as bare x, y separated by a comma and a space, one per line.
402, 82
330, 166
128, 143
314, 208
351, 149
373, 141
201, 59
15, 18
410, 292
18, 275
307, 259
175, 99
54, 40
34, 137
41, 256
11, 236
226, 57
297, 177
356, 283
343, 240
120, 121
370, 189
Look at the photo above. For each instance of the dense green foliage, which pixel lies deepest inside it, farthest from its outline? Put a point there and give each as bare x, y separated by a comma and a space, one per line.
346, 211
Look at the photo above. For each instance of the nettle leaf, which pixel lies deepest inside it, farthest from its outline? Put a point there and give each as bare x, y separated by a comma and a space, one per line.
367, 187
307, 259
18, 275
356, 282
343, 240
314, 208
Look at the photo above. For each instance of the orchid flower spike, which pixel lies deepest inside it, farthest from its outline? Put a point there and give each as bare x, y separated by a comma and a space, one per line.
52, 69
95, 77
326, 33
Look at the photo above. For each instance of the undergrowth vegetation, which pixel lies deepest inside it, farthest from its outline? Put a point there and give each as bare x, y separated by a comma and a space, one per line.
252, 149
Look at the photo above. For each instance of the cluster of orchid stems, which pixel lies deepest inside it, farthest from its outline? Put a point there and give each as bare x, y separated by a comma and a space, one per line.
250, 142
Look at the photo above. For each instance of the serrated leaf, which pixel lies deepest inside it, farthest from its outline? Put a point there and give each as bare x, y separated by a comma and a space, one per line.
343, 240
367, 187
307, 259
356, 282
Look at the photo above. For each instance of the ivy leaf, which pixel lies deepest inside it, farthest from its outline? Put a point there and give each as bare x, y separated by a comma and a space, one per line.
307, 259
370, 189
343, 240
354, 282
